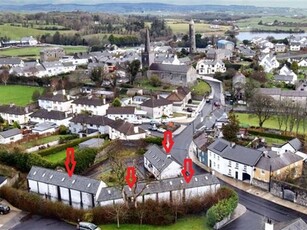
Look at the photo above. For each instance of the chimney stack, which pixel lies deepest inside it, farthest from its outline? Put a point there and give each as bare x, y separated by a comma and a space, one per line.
232, 144
269, 225
136, 129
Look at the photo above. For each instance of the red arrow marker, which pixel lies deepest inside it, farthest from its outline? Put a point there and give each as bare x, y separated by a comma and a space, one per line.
187, 170
70, 159
168, 141
130, 176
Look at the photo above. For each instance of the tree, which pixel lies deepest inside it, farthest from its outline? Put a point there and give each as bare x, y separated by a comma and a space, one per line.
245, 42
36, 94
97, 75
294, 67
133, 69
155, 81
231, 129
4, 76
16, 125
1, 120
250, 88
116, 102
262, 106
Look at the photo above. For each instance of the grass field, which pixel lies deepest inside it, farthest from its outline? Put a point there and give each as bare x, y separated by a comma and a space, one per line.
34, 51
250, 120
201, 88
19, 95
199, 28
195, 223
252, 23
16, 32
59, 156
145, 84
41, 141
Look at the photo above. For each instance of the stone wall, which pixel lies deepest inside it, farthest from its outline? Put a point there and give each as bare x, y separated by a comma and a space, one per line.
260, 184
277, 188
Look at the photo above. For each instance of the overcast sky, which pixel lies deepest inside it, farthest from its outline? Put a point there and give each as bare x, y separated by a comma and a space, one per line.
273, 3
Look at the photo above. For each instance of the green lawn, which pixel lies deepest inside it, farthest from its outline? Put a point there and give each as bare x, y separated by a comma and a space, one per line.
41, 141
247, 120
19, 95
144, 84
34, 51
16, 32
195, 223
201, 88
252, 23
59, 156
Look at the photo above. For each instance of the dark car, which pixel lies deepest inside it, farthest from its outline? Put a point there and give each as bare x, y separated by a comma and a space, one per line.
189, 109
4, 209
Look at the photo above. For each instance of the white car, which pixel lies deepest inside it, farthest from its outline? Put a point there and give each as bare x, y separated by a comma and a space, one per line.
161, 130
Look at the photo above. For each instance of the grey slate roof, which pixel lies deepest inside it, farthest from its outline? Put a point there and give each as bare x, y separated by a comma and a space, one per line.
154, 102
52, 64
10, 61
237, 153
124, 127
13, 109
2, 179
169, 68
277, 162
91, 119
296, 144
283, 78
10, 133
50, 97
53, 114
92, 143
121, 110
89, 101
44, 126
48, 176
296, 224
166, 185
158, 158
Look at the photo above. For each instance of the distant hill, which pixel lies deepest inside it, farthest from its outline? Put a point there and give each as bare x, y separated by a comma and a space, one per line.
138, 8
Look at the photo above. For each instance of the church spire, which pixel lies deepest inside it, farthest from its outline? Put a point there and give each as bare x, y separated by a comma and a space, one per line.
147, 42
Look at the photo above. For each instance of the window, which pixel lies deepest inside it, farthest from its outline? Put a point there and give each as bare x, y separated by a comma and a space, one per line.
245, 168
218, 157
218, 166
229, 163
229, 172
213, 155
237, 165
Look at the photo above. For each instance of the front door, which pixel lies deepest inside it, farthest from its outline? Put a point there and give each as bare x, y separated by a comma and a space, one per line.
210, 163
236, 175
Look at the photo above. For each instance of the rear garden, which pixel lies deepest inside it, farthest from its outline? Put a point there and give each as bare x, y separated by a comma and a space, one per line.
17, 94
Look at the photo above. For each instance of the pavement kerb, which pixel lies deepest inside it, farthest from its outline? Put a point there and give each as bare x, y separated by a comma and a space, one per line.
250, 188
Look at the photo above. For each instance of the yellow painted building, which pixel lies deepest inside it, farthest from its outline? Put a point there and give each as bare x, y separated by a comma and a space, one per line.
280, 166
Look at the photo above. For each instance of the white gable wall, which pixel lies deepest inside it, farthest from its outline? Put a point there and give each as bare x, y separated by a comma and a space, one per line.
171, 171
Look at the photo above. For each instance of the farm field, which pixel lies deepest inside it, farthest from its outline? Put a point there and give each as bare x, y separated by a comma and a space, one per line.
252, 23
16, 32
247, 120
41, 141
19, 95
34, 51
194, 222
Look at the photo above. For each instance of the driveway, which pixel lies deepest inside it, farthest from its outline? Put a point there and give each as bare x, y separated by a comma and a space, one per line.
11, 219
41, 223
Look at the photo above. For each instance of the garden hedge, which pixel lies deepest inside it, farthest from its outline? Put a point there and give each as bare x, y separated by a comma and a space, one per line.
61, 147
271, 135
222, 209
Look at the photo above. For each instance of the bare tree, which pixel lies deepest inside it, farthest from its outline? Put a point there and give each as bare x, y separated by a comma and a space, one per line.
119, 212
262, 106
5, 76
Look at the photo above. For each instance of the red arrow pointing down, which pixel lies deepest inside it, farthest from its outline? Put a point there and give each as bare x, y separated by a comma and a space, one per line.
130, 176
70, 159
187, 170
168, 141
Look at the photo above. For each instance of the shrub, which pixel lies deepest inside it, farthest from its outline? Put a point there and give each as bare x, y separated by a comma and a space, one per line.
154, 140
84, 158
63, 130
66, 138
223, 208
271, 135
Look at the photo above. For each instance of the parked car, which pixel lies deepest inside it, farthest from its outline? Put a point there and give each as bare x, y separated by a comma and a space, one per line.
161, 130
189, 109
153, 127
87, 226
4, 209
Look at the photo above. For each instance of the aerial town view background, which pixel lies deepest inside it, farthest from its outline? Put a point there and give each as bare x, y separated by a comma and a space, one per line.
178, 115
